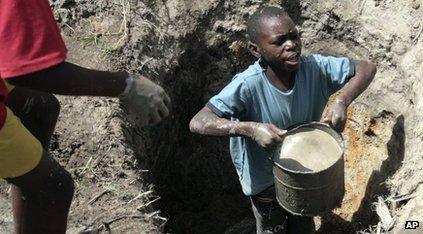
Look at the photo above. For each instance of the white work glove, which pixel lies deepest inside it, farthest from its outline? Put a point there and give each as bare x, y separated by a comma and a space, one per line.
146, 102
266, 135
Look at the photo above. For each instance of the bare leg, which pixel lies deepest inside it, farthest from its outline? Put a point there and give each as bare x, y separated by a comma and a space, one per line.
45, 197
39, 112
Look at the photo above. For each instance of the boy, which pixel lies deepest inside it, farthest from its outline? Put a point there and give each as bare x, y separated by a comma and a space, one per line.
32, 58
280, 90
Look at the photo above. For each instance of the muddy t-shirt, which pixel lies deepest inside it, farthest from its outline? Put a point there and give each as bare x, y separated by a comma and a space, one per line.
250, 96
29, 40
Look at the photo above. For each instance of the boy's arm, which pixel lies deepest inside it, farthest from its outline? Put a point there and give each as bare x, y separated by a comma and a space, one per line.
144, 99
364, 74
206, 122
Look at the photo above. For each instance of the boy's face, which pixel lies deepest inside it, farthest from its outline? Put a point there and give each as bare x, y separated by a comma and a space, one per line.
278, 43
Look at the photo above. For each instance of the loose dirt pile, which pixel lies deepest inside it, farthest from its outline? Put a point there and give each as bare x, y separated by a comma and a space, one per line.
193, 48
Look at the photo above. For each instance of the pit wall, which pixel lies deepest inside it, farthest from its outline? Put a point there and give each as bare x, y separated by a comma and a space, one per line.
193, 48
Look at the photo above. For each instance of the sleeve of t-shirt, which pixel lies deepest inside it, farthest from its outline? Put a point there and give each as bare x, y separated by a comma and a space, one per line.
231, 101
336, 72
30, 39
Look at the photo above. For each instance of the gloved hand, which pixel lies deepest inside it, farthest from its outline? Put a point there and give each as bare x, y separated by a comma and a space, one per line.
336, 115
146, 102
266, 135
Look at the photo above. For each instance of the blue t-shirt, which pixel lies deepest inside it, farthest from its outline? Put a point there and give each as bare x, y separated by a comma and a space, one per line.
251, 96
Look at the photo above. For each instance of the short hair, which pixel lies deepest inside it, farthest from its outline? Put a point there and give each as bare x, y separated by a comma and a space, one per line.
253, 23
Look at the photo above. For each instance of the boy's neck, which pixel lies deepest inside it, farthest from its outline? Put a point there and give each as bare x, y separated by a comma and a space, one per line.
283, 80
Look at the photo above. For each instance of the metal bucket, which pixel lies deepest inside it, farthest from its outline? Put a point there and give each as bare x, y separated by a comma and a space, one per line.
310, 193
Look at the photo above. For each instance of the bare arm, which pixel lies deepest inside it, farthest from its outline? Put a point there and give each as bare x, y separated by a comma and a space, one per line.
70, 79
146, 102
206, 122
364, 73
336, 114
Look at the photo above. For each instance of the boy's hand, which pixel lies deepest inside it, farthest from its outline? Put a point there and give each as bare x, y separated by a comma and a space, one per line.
336, 115
145, 101
266, 135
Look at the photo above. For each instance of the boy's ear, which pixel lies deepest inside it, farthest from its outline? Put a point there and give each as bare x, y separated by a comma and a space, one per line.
254, 50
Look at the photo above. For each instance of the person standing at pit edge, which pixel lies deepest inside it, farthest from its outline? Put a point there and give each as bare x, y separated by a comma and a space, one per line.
279, 90
32, 59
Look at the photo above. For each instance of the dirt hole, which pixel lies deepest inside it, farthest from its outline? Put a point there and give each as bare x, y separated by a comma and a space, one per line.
195, 176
